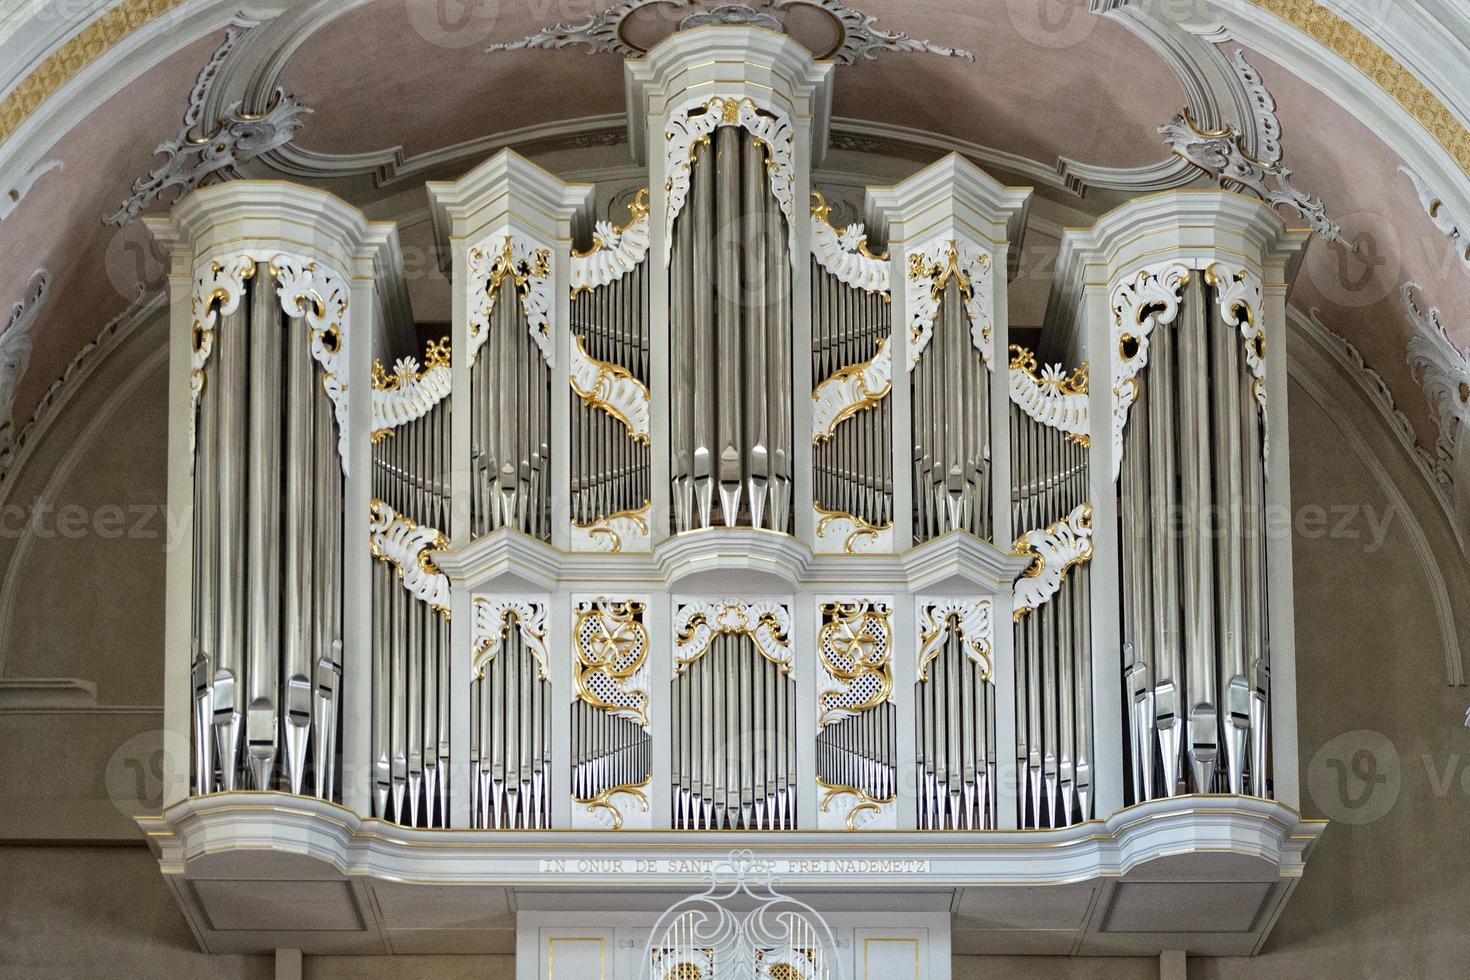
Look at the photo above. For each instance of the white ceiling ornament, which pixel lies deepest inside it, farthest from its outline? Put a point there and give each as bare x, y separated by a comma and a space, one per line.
616, 249
1456, 229
15, 349
1239, 294
862, 38
1221, 154
1444, 371
308, 289
768, 624
1053, 397
971, 617
859, 36
527, 266
410, 547
218, 289
194, 157
1054, 552
692, 122
844, 251
493, 621
1149, 299
11, 196
930, 269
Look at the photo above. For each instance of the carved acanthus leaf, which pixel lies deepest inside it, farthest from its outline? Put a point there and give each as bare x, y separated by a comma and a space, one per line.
15, 349
410, 548
309, 289
849, 391
768, 624
844, 251
1051, 397
526, 266
610, 388
616, 249
931, 268
970, 616
1239, 294
1444, 372
493, 621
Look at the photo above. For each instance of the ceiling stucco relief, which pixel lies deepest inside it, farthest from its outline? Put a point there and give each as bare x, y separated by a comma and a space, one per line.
203, 153
1444, 371
1449, 224
15, 349
1224, 154
12, 196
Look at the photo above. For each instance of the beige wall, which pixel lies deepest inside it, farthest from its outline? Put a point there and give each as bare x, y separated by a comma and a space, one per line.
1386, 898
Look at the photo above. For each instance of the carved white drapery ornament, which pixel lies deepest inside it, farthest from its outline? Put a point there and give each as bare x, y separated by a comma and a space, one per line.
494, 619
972, 618
1054, 552
931, 268
410, 548
522, 264
1148, 299
768, 624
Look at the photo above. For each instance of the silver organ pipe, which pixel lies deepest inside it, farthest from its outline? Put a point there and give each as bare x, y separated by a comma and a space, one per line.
612, 749
610, 468
267, 617
1052, 615
857, 740
734, 712
950, 415
853, 460
954, 720
411, 516
510, 403
730, 342
1191, 491
510, 720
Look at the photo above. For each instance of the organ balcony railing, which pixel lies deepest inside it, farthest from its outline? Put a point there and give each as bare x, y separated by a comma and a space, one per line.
595, 559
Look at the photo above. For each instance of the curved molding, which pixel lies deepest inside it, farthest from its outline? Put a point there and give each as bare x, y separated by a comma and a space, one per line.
1327, 366
79, 411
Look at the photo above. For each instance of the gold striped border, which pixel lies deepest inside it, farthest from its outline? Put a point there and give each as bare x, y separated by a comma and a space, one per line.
1340, 37
76, 53
1328, 29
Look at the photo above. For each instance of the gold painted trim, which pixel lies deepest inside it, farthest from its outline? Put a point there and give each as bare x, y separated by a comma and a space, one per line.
864, 804
607, 371
596, 660
603, 525
603, 800
870, 398
861, 527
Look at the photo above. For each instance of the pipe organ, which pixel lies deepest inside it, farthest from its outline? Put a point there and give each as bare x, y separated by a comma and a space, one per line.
707, 514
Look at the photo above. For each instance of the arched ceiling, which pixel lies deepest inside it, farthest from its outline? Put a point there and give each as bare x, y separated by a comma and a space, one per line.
1079, 86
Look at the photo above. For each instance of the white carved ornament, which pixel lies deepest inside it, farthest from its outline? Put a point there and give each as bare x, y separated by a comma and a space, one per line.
972, 617
1052, 397
613, 389
410, 391
1444, 372
616, 249
1149, 299
1450, 225
522, 265
844, 251
410, 547
692, 122
768, 624
623, 532
493, 621
219, 286
839, 533
930, 269
15, 349
850, 390
1239, 295
1054, 552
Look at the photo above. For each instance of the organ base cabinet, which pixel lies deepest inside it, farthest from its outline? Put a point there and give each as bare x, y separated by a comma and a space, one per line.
709, 531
